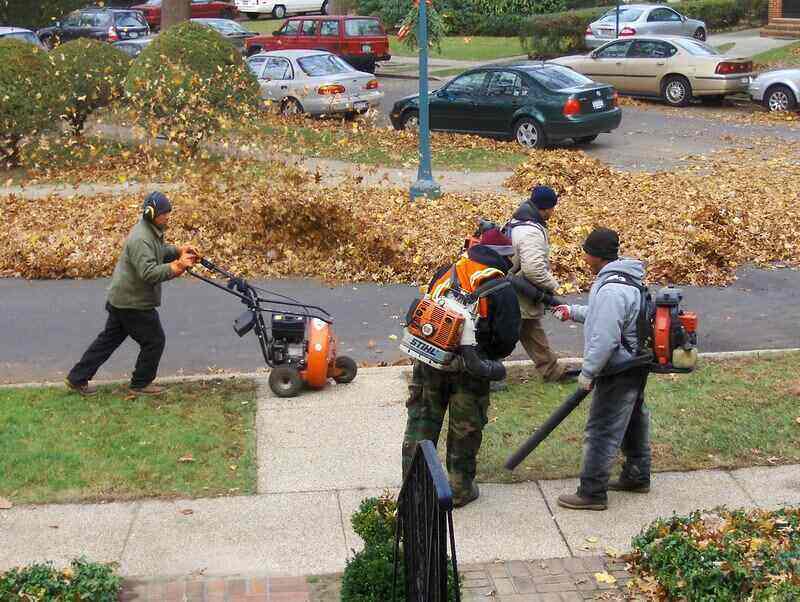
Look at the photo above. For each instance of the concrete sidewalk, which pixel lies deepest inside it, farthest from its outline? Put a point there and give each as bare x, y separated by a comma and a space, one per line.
319, 455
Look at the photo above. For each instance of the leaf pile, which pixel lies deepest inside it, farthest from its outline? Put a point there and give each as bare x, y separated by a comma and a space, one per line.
721, 555
693, 226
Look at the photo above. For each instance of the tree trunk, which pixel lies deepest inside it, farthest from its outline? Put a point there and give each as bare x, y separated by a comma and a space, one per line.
175, 11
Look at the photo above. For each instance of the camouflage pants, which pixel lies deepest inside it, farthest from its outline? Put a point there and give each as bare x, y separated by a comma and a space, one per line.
431, 392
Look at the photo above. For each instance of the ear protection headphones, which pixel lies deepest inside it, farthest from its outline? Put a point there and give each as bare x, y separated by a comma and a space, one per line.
149, 208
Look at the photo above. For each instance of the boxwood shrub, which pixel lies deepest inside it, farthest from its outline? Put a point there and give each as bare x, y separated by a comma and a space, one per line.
82, 580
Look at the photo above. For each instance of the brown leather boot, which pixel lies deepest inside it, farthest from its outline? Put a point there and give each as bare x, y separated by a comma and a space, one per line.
629, 486
85, 390
575, 502
150, 389
470, 496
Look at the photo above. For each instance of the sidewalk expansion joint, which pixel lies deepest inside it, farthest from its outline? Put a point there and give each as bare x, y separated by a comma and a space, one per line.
742, 488
136, 509
553, 516
341, 523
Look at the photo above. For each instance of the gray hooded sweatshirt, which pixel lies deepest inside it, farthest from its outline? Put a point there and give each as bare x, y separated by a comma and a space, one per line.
610, 315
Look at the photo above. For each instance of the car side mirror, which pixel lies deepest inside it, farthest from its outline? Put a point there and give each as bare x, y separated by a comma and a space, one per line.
593, 55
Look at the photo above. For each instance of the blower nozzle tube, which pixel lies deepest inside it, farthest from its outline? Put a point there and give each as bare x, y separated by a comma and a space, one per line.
530, 291
556, 418
478, 367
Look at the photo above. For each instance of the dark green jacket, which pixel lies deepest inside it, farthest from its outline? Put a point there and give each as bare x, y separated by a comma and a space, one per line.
141, 268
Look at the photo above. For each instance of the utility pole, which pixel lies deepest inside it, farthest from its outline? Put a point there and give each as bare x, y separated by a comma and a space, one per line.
175, 11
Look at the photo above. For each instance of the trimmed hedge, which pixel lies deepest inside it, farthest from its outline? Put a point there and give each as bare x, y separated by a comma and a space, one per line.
83, 580
546, 36
92, 75
190, 83
29, 96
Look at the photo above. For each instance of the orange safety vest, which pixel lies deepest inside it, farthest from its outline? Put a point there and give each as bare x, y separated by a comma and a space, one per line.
467, 275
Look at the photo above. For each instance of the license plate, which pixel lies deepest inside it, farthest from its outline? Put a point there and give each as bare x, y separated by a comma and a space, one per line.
366, 48
746, 80
133, 34
606, 33
361, 105
598, 104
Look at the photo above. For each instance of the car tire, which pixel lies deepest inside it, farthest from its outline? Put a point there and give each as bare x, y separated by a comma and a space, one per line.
285, 381
348, 367
410, 120
369, 67
325, 8
779, 98
291, 107
699, 34
252, 16
585, 139
529, 133
676, 91
279, 11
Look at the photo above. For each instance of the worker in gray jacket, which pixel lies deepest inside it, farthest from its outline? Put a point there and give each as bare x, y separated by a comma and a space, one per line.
618, 416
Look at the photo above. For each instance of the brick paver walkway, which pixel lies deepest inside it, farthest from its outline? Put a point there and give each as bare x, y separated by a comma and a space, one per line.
554, 580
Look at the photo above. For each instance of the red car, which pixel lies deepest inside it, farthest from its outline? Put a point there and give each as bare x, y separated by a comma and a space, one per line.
361, 41
201, 9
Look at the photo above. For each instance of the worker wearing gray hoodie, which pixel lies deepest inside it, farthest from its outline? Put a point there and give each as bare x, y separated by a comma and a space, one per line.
618, 416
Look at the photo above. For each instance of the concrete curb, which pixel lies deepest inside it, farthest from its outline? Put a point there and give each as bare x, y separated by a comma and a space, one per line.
718, 355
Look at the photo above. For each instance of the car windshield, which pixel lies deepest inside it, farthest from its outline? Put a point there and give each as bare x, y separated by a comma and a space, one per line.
697, 48
225, 25
130, 20
626, 15
153, 3
555, 77
319, 65
362, 27
25, 36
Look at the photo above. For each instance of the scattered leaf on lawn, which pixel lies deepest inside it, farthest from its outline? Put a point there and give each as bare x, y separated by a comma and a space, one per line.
186, 458
187, 511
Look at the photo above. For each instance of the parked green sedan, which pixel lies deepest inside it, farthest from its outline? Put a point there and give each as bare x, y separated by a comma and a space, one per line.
536, 103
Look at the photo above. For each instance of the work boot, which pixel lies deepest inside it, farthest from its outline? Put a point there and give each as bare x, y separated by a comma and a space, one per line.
470, 496
150, 389
498, 386
623, 484
576, 502
86, 390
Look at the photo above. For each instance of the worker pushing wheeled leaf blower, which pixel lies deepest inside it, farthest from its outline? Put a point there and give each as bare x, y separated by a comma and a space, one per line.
628, 334
297, 341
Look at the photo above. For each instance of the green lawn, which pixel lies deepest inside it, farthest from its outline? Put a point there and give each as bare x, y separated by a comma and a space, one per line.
196, 440
729, 414
466, 48
263, 25
785, 56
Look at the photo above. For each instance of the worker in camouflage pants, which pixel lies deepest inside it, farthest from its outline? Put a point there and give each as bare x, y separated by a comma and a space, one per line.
431, 392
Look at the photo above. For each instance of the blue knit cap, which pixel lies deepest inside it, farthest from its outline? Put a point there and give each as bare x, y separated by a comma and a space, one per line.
544, 197
159, 201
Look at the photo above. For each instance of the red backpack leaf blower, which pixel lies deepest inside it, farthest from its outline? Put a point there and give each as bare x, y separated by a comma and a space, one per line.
298, 345
668, 344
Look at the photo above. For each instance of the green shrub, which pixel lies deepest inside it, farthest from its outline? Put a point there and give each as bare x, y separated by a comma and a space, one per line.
546, 36
83, 580
189, 84
717, 14
376, 520
92, 75
723, 555
28, 96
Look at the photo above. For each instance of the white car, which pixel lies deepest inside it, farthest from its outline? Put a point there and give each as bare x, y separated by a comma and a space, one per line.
253, 9
314, 82
777, 90
642, 19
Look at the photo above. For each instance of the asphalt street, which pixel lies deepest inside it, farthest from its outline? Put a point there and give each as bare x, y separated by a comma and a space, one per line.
46, 325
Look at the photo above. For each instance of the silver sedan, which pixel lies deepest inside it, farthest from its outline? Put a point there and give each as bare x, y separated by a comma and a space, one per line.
643, 19
314, 82
777, 90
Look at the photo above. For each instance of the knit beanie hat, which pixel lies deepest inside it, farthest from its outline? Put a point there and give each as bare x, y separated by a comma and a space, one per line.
602, 243
544, 197
159, 202
497, 241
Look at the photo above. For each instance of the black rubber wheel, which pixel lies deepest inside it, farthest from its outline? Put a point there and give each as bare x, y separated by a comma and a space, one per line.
410, 121
677, 91
585, 139
252, 16
348, 367
529, 133
285, 381
291, 107
700, 34
779, 98
324, 9
279, 12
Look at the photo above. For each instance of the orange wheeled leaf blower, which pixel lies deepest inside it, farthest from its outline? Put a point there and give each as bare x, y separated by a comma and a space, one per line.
297, 342
669, 345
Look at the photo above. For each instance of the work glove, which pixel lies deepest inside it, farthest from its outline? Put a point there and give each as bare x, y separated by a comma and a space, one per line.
561, 312
584, 382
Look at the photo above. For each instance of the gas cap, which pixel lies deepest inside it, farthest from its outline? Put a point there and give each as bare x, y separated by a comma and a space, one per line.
427, 329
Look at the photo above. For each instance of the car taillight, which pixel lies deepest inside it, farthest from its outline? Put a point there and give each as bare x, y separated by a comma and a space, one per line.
589, 31
331, 89
572, 107
726, 68
112, 35
372, 84
627, 31
615, 98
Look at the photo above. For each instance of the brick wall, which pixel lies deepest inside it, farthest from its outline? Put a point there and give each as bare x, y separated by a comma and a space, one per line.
775, 9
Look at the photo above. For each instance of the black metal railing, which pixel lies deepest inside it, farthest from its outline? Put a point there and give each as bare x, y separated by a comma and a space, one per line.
425, 527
